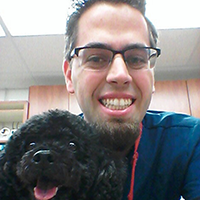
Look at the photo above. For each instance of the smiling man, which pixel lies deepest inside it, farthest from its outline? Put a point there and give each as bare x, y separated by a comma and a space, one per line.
109, 65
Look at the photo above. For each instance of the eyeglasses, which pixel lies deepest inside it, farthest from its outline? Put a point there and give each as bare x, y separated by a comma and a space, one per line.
99, 58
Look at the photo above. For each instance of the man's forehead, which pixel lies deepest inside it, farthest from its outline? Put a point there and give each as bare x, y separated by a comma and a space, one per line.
98, 24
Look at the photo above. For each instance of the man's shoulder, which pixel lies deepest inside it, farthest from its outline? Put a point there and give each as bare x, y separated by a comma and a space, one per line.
169, 150
155, 119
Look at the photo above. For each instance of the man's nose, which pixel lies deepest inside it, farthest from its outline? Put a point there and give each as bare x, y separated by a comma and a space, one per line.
118, 72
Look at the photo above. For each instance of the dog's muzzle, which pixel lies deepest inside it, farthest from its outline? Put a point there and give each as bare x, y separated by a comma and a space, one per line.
44, 189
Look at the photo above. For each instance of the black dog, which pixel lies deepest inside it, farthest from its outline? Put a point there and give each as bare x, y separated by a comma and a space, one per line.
58, 156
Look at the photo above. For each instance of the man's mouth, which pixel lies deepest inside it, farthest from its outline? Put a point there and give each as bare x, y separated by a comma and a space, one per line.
117, 104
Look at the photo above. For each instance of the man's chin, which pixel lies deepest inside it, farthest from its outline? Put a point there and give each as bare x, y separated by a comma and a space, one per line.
117, 135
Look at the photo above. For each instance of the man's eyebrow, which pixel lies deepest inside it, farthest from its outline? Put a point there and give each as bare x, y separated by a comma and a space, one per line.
98, 45
107, 46
134, 45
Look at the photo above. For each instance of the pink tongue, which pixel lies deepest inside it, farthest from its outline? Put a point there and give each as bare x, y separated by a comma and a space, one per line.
45, 194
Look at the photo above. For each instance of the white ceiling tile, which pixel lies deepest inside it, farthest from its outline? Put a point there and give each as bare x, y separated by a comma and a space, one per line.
42, 53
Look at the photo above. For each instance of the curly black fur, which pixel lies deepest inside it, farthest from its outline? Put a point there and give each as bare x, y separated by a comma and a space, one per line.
58, 156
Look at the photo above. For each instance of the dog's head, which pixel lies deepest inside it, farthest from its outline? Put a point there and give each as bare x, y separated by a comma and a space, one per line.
52, 151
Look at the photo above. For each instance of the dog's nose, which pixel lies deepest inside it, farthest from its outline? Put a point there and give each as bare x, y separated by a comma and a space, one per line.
43, 157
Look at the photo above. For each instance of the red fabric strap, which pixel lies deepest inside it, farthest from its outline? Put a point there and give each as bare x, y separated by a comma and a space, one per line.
135, 157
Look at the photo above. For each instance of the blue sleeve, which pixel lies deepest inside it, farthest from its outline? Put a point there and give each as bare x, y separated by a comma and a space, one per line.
191, 187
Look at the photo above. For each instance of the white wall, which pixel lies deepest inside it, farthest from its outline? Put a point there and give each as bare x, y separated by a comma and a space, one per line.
14, 95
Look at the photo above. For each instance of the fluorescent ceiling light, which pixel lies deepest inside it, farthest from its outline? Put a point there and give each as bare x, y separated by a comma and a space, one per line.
44, 17
2, 33
173, 14
38, 17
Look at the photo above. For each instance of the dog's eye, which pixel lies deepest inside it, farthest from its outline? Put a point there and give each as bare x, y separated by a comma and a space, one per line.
72, 146
31, 145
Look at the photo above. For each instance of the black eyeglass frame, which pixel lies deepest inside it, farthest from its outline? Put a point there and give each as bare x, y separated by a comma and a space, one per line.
76, 50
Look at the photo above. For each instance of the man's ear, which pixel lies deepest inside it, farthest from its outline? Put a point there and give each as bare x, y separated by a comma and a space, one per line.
153, 89
67, 73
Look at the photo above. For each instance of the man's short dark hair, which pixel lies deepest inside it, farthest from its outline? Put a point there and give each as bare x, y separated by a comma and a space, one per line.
78, 7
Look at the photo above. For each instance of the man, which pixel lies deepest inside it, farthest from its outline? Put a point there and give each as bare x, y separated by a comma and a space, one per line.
109, 66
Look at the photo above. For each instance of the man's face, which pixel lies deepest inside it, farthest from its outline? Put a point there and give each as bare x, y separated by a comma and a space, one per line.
128, 92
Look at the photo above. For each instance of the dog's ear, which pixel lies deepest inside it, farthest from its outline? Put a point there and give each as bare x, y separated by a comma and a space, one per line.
9, 159
109, 181
4, 168
8, 173
105, 174
2, 162
107, 171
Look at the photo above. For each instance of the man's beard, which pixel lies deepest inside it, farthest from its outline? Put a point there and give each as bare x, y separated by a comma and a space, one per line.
117, 135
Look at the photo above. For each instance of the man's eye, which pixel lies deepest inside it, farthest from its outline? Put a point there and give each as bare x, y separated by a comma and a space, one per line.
96, 59
136, 61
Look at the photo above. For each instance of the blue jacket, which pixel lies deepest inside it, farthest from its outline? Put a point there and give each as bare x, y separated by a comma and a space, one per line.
169, 158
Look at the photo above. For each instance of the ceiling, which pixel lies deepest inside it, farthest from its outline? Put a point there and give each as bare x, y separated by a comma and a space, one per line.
37, 60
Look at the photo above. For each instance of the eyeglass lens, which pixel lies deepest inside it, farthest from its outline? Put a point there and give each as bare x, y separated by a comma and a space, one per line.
99, 59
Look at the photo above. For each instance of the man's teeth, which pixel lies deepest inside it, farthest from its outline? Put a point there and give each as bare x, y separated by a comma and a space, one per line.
117, 104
